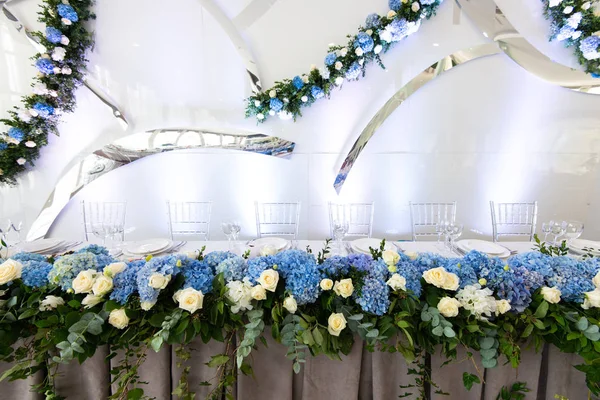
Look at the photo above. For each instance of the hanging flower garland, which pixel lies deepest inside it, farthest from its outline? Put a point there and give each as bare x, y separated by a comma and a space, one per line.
342, 63
576, 23
61, 71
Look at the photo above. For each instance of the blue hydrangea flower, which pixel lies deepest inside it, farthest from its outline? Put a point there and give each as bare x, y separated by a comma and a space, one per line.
164, 265
589, 47
125, 283
395, 4
364, 41
26, 257
573, 277
233, 269
361, 262
330, 59
53, 35
533, 261
198, 274
372, 21
257, 265
374, 297
44, 110
94, 249
464, 270
317, 92
103, 260
335, 266
275, 104
67, 12
66, 268
595, 75
396, 30
427, 2
412, 272
353, 71
16, 133
564, 33
45, 66
35, 273
301, 273
298, 82
214, 258
574, 20
3, 146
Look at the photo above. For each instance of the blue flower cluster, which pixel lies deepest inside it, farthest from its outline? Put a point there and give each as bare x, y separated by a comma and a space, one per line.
3, 146
213, 259
364, 41
589, 47
353, 71
66, 268
257, 265
335, 266
317, 92
573, 277
298, 82
94, 249
53, 35
165, 265
330, 59
428, 2
233, 269
276, 104
198, 274
45, 66
67, 12
44, 110
374, 294
35, 273
372, 21
125, 283
16, 133
301, 273
396, 30
395, 4
26, 257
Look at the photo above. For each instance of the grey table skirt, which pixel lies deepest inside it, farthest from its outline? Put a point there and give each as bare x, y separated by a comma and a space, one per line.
361, 375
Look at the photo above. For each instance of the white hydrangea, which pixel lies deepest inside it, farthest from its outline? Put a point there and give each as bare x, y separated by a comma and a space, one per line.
240, 293
478, 301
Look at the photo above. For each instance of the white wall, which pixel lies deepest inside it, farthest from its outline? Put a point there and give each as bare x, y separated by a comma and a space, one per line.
487, 130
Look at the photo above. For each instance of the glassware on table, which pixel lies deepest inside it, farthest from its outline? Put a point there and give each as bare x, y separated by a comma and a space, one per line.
340, 229
547, 229
453, 232
573, 230
558, 230
231, 229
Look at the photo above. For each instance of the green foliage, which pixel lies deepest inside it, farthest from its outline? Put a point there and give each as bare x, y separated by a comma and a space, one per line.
377, 253
469, 380
517, 391
552, 251
323, 253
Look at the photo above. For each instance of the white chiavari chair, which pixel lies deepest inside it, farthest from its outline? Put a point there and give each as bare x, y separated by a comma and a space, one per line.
277, 219
103, 218
513, 219
189, 219
359, 217
425, 217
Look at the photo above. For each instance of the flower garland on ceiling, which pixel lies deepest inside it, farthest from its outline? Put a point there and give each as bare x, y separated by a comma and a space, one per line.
342, 63
61, 70
577, 24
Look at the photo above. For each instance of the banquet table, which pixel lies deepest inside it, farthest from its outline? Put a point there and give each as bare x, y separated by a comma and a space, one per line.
360, 375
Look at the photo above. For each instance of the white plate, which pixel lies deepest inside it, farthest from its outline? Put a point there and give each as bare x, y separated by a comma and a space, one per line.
461, 246
362, 245
277, 242
41, 245
150, 246
483, 246
579, 244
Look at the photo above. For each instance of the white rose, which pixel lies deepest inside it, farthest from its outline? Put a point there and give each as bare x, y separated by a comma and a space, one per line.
551, 295
313, 67
21, 161
24, 115
113, 269
118, 318
592, 299
415, 6
305, 78
554, 3
411, 254
271, 112
435, 276
358, 51
397, 282
30, 144
56, 70
344, 288
273, 94
448, 306
159, 281
65, 41
47, 57
451, 282
390, 257
369, 32
269, 279
326, 284
339, 80
596, 280
290, 304
338, 65
257, 103
40, 88
258, 292
268, 250
586, 5
59, 54
9, 271
240, 293
391, 14
361, 61
190, 299
66, 71
378, 49
51, 302
66, 21
91, 300
502, 306
568, 10
84, 282
343, 52
336, 323
192, 254
102, 285
304, 99
147, 305
260, 116
53, 93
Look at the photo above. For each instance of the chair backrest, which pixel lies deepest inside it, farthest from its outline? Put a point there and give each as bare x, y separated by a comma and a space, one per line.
424, 217
277, 219
359, 217
104, 213
513, 219
189, 218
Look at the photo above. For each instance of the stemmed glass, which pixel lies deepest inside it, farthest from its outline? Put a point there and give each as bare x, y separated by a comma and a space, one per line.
573, 230
340, 229
441, 228
453, 232
231, 229
558, 230
547, 229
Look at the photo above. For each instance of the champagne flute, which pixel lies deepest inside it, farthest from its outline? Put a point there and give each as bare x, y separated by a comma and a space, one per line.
340, 229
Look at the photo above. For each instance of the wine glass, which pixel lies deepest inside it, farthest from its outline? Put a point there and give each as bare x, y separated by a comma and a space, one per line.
340, 229
573, 230
558, 230
547, 229
231, 229
454, 232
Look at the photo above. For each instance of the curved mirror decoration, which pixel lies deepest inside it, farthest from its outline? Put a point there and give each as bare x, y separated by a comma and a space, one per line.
140, 145
429, 73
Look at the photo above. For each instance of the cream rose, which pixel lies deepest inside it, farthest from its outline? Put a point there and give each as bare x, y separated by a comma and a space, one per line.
159, 281
397, 282
9, 271
290, 304
102, 285
592, 299
51, 302
84, 282
147, 305
269, 279
111, 270
435, 276
190, 299
596, 280
448, 306
390, 257
258, 292
344, 288
326, 284
411, 254
551, 295
451, 282
268, 250
91, 300
336, 323
391, 14
118, 318
502, 306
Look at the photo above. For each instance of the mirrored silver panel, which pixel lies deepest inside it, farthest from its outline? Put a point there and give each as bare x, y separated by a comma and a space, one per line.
137, 146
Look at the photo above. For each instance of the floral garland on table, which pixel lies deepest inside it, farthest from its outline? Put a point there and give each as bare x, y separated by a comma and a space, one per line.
61, 70
577, 24
343, 63
73, 304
